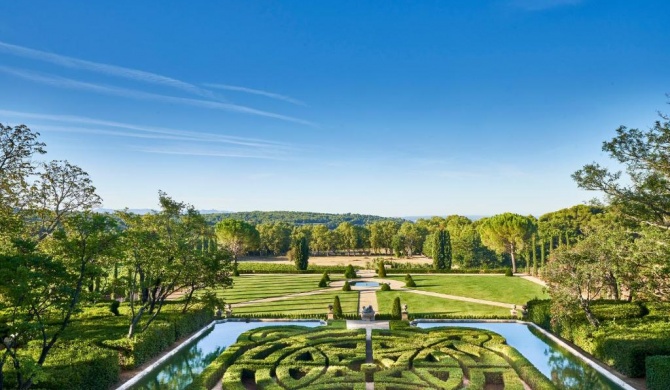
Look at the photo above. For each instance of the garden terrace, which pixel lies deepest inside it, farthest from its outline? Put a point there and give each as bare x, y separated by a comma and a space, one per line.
324, 358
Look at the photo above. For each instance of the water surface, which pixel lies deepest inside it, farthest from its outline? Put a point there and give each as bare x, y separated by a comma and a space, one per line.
563, 368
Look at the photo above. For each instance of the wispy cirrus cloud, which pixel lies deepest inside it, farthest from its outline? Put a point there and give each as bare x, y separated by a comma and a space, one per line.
68, 83
199, 152
252, 91
178, 142
539, 5
106, 69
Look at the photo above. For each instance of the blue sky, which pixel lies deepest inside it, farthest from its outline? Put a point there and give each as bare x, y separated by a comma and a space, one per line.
391, 108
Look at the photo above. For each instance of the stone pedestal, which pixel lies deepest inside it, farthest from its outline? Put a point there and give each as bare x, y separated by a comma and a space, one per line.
331, 316
405, 316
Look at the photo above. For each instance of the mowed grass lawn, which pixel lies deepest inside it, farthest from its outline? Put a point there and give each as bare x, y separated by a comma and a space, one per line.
252, 287
310, 304
418, 304
496, 288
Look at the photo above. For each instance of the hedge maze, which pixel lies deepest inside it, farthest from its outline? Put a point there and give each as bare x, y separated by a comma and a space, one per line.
294, 357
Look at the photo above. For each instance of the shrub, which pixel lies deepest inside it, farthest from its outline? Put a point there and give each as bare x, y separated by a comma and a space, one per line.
385, 287
409, 282
323, 282
337, 307
236, 271
508, 272
326, 276
381, 270
350, 272
269, 268
80, 366
658, 372
114, 308
346, 286
396, 311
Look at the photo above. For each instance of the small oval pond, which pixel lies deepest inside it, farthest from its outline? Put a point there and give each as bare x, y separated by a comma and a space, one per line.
365, 284
564, 369
178, 371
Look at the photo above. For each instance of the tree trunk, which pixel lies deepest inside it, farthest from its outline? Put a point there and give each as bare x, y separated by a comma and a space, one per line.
135, 321
587, 310
511, 252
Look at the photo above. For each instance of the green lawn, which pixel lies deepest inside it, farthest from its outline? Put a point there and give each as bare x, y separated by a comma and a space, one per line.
251, 287
310, 304
496, 288
417, 304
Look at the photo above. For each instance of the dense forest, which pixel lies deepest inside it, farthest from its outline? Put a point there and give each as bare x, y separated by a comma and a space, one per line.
299, 218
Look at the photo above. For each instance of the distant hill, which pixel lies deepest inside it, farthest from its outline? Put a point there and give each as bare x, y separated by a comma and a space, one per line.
146, 211
299, 218
414, 218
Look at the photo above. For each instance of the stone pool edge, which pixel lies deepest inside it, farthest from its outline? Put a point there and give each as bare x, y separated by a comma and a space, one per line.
140, 375
605, 372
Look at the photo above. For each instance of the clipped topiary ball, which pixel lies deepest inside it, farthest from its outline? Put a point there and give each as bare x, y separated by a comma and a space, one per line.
508, 272
386, 287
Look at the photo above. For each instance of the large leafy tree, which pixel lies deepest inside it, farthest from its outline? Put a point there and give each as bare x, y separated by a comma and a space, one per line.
642, 191
381, 235
596, 267
45, 290
164, 255
275, 237
507, 233
237, 236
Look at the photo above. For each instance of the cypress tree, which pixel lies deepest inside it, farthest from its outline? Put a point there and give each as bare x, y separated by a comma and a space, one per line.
350, 272
534, 256
381, 272
300, 253
346, 286
542, 254
441, 248
396, 311
337, 307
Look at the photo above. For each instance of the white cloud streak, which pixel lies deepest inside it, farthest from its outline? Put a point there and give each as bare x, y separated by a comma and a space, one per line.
157, 132
209, 153
63, 82
252, 91
110, 70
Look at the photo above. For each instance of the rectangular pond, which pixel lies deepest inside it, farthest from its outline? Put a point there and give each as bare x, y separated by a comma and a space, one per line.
178, 371
564, 369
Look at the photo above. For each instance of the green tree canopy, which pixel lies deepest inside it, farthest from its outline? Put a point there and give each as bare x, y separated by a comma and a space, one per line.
237, 236
507, 233
642, 193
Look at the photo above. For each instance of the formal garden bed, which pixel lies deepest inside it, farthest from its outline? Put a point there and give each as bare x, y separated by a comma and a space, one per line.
404, 358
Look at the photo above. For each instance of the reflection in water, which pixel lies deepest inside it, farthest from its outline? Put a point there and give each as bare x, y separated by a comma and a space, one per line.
565, 370
181, 369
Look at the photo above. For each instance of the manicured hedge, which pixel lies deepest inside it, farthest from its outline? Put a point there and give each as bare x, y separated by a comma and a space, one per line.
157, 338
658, 372
74, 366
627, 334
628, 356
427, 270
269, 268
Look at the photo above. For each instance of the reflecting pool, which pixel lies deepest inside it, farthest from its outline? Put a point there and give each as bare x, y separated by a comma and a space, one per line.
178, 371
365, 284
565, 370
